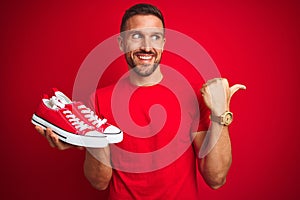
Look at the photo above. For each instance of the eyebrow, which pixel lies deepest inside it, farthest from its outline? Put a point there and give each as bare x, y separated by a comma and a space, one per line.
134, 32
158, 33
140, 32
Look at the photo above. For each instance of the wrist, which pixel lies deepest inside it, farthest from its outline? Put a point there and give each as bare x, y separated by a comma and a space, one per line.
224, 119
219, 110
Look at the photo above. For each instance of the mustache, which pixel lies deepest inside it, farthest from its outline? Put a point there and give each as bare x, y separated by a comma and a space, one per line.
145, 52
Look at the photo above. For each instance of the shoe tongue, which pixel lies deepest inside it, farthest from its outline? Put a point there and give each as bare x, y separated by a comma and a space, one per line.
55, 103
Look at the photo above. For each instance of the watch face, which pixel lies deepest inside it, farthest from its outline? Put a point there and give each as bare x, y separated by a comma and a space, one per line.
228, 118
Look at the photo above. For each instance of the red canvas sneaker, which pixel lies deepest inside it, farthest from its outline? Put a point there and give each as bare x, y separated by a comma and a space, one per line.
113, 134
63, 122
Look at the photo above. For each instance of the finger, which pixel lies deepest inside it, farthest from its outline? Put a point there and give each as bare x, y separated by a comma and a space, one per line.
236, 87
55, 140
50, 136
58, 143
40, 130
213, 80
62, 145
225, 82
204, 90
54, 137
204, 85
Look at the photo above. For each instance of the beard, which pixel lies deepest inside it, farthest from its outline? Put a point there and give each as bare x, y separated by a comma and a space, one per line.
150, 69
142, 69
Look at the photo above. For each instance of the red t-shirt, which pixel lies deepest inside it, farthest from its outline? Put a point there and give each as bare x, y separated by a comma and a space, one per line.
156, 159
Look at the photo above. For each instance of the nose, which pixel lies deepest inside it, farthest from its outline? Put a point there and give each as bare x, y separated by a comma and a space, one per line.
146, 44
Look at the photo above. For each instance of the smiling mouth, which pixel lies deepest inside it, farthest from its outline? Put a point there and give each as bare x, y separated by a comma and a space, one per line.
145, 56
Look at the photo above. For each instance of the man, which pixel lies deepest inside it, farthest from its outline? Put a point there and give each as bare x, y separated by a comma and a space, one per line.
158, 160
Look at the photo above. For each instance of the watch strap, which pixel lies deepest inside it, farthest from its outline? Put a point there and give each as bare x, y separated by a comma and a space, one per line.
222, 118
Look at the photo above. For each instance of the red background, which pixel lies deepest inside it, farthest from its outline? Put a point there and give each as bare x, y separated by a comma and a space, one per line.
43, 44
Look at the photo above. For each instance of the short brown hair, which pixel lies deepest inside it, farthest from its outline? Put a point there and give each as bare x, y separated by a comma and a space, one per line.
141, 9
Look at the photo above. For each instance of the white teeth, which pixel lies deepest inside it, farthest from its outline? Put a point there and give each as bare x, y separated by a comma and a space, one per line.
145, 57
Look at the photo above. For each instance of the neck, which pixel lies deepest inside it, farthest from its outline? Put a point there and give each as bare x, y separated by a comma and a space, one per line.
150, 80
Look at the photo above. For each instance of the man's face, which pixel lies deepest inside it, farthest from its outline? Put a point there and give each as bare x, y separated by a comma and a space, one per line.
143, 43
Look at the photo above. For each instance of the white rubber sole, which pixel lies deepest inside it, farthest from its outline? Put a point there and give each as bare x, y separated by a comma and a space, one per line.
71, 138
114, 137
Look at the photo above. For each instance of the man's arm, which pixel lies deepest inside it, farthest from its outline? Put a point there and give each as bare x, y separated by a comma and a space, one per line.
97, 167
216, 164
214, 146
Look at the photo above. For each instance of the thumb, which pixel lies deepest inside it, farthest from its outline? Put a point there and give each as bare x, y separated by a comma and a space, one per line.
235, 88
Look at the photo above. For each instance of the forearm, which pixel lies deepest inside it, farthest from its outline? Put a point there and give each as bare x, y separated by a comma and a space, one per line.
215, 146
215, 165
97, 168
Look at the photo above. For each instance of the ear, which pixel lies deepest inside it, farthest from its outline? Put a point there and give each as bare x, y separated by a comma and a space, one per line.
162, 49
121, 43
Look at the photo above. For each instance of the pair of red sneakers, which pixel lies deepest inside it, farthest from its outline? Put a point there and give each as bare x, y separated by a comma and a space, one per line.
74, 123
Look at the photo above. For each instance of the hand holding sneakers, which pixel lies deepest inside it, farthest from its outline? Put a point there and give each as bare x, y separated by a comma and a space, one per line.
113, 134
74, 123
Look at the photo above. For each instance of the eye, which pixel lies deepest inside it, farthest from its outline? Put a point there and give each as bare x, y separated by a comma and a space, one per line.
136, 36
155, 37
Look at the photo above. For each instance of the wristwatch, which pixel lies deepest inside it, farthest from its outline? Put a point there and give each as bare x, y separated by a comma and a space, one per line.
225, 119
